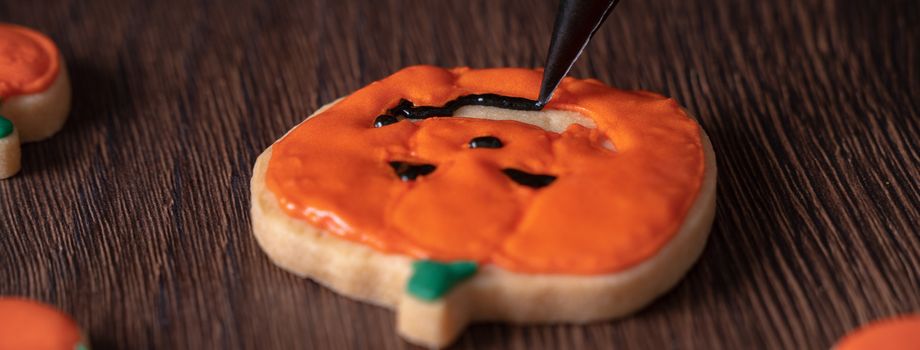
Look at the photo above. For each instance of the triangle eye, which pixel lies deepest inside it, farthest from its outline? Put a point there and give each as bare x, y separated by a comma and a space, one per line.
409, 171
524, 178
486, 142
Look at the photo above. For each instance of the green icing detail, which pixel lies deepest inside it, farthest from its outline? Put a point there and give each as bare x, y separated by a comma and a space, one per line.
6, 127
431, 279
80, 346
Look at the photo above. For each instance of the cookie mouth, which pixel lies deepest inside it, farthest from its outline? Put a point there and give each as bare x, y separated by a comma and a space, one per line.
487, 106
552, 120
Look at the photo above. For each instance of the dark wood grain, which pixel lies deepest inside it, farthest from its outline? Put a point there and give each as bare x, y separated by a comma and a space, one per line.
135, 218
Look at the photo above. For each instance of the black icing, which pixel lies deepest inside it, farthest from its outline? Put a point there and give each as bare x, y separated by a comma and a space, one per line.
527, 179
409, 171
407, 109
384, 120
486, 142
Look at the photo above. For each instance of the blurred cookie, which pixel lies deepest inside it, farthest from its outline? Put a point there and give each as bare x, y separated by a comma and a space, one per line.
26, 324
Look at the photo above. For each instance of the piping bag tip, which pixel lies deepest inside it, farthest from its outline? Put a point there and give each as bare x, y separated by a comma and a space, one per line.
576, 22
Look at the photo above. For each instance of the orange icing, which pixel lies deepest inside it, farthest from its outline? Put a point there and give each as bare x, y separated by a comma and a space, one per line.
26, 324
901, 333
606, 211
29, 61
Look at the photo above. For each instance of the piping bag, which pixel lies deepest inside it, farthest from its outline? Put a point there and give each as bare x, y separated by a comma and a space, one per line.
576, 23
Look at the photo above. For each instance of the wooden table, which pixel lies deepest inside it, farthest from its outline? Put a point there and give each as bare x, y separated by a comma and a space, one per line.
135, 219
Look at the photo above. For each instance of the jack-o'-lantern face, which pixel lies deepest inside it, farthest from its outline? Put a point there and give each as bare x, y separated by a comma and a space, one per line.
476, 179
602, 185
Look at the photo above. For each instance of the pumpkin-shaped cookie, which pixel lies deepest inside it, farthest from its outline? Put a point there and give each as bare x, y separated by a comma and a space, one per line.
447, 195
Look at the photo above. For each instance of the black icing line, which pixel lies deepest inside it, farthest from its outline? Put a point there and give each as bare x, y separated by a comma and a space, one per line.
408, 110
527, 179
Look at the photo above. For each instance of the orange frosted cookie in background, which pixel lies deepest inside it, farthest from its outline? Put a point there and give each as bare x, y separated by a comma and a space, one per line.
34, 91
26, 324
898, 333
450, 196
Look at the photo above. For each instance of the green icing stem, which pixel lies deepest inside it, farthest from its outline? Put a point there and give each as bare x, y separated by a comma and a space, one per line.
6, 127
431, 280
